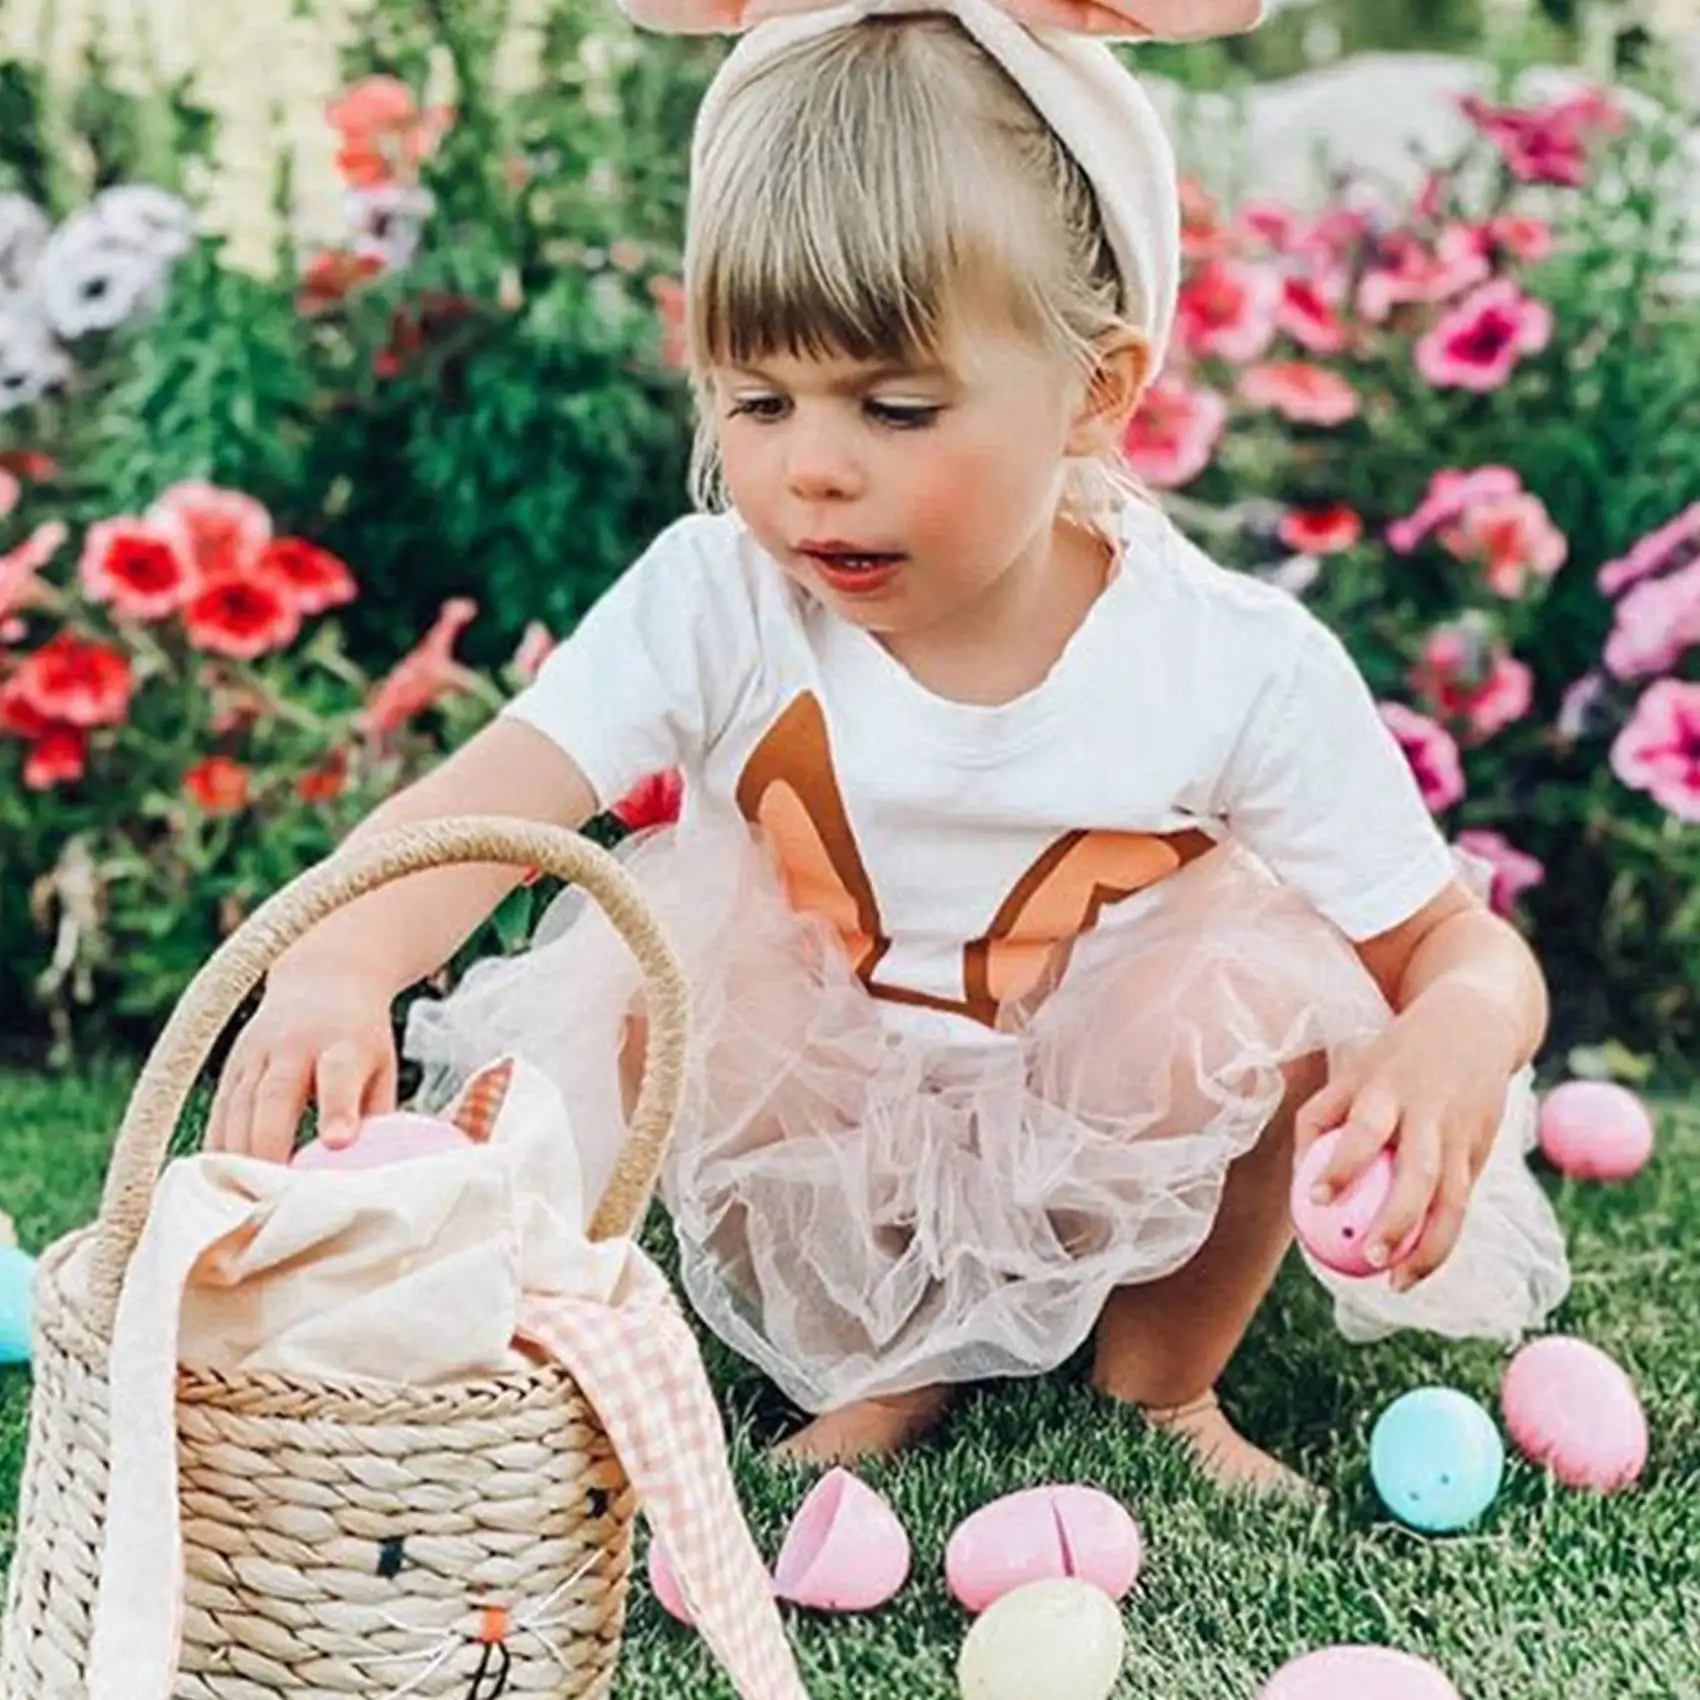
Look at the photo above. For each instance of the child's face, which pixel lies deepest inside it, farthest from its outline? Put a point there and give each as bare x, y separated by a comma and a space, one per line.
955, 473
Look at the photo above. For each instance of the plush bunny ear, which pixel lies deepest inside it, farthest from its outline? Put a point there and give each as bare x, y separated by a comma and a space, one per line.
1160, 20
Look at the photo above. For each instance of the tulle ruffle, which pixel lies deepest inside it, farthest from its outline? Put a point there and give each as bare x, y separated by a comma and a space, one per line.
870, 1197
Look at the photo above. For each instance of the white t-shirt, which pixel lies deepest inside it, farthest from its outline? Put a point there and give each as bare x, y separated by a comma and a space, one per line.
954, 845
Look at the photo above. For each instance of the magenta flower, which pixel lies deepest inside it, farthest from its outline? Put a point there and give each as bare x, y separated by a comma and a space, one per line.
1675, 543
1466, 678
1477, 345
1509, 537
1406, 270
1170, 440
1306, 394
1656, 623
1583, 699
1227, 308
1546, 144
1432, 752
1659, 750
1514, 871
1310, 314
1450, 493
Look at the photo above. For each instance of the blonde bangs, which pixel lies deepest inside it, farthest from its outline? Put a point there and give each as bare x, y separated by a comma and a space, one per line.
842, 211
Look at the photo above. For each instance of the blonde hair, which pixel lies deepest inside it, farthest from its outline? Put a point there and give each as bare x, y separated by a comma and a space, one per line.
874, 192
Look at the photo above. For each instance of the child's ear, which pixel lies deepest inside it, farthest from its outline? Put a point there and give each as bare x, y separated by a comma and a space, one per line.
1123, 371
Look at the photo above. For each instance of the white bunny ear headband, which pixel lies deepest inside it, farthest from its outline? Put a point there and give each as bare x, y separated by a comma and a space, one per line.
1088, 97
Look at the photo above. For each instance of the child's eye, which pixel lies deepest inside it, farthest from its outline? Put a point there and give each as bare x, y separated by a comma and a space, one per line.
758, 407
910, 418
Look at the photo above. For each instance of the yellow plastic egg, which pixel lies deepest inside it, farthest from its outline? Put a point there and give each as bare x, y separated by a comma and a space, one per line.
1060, 1639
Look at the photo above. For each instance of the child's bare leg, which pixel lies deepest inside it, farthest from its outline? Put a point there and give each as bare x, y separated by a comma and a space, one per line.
1162, 1345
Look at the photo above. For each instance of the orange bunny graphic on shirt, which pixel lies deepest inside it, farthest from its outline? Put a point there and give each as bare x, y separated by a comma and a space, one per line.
789, 789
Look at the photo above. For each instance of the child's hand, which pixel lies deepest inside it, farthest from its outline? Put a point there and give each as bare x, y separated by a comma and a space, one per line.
1433, 1085
329, 1038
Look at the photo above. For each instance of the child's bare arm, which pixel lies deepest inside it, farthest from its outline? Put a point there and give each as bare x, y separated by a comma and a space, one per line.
323, 1027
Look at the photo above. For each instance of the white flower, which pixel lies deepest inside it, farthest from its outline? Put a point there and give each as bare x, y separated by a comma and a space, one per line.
386, 221
31, 362
109, 262
24, 229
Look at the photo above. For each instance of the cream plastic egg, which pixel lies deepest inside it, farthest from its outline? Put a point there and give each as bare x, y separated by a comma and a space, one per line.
1060, 1639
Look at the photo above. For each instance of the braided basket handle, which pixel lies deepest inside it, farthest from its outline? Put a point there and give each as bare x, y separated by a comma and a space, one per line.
237, 966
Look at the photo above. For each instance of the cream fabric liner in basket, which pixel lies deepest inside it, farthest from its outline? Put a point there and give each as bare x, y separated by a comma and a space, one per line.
367, 1464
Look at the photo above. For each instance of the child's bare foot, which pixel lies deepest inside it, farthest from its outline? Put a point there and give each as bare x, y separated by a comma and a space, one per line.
869, 1428
1223, 1453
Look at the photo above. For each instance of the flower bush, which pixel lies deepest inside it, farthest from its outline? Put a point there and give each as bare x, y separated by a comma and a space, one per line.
1466, 427
268, 543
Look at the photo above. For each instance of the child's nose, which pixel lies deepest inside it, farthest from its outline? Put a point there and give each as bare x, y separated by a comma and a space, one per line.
820, 462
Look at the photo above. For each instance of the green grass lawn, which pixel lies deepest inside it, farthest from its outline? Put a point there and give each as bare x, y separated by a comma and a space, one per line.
1556, 1595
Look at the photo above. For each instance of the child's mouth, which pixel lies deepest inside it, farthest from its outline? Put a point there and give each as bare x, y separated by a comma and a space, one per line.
855, 574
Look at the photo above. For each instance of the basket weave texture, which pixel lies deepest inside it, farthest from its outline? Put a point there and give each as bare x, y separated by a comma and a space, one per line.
343, 1540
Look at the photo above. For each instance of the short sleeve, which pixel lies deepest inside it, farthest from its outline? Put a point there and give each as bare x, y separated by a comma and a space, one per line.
649, 677
1319, 789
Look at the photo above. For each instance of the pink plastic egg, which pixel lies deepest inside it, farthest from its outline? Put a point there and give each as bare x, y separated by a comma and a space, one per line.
397, 1137
1352, 1673
1043, 1534
845, 1550
1569, 1407
1338, 1233
1595, 1130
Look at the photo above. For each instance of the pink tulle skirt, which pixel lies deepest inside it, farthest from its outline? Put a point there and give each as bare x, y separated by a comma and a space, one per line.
870, 1197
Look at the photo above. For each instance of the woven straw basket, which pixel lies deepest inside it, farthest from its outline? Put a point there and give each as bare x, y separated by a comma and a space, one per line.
293, 1492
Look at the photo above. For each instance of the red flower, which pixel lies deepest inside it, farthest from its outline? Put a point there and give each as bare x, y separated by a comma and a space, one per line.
326, 782
29, 465
313, 579
75, 682
219, 531
58, 757
240, 616
655, 801
384, 135
144, 570
329, 277
218, 784
423, 676
1321, 531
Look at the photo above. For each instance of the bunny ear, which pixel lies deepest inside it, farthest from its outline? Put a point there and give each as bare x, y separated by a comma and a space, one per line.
1162, 20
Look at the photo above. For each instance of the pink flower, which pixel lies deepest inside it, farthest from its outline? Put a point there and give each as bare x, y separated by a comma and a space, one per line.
1449, 493
1673, 544
1202, 231
1227, 309
1321, 531
1655, 624
384, 136
1170, 440
1476, 345
536, 644
1514, 871
218, 531
311, 579
1546, 144
1659, 750
142, 568
1310, 315
20, 565
1432, 753
655, 801
1272, 223
11, 492
1582, 699
74, 681
1306, 394
1466, 678
1528, 240
425, 675
1511, 537
1405, 270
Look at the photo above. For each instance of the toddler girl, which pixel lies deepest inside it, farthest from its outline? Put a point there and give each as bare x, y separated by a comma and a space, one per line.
1043, 886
